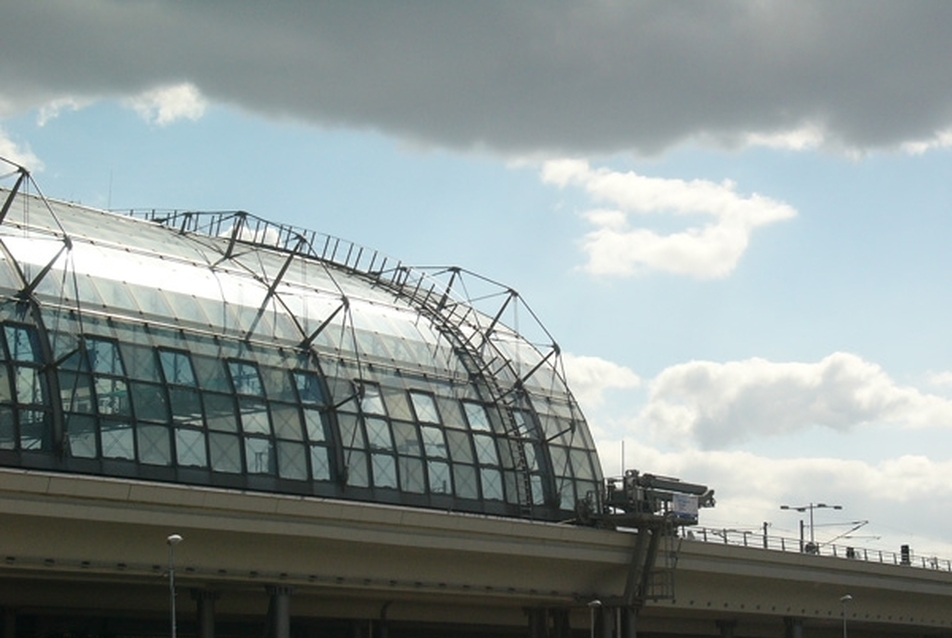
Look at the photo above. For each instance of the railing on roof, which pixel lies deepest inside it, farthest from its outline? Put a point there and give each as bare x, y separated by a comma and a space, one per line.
747, 538
260, 232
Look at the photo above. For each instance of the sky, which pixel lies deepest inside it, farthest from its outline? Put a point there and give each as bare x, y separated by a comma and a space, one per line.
733, 217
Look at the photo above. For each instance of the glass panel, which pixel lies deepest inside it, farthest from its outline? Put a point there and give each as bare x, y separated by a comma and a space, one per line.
385, 470
8, 434
425, 408
476, 416
176, 367
220, 412
433, 442
450, 411
149, 402
465, 480
492, 484
277, 384
154, 446
538, 494
190, 447
81, 431
6, 393
292, 460
259, 455
254, 416
75, 391
567, 496
186, 406
140, 362
439, 477
320, 464
314, 421
406, 438
351, 435
357, 469
309, 387
225, 452
211, 373
460, 448
244, 377
485, 449
287, 421
560, 460
104, 357
28, 385
35, 431
581, 464
378, 434
112, 396
411, 475
397, 404
371, 402
22, 343
118, 441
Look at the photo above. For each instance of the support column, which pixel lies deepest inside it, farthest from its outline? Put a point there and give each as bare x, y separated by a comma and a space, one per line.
280, 610
205, 607
726, 627
560, 623
629, 622
793, 627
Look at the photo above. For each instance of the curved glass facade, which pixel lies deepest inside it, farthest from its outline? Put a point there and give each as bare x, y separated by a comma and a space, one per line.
219, 349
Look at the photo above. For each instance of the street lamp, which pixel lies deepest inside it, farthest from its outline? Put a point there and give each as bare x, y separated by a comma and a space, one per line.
592, 606
172, 540
810, 507
845, 599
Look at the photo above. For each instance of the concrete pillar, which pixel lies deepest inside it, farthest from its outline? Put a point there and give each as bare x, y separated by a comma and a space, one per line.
280, 610
205, 607
560, 623
629, 622
793, 627
726, 627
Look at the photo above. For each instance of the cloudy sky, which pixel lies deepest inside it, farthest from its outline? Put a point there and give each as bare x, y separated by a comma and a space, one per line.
733, 217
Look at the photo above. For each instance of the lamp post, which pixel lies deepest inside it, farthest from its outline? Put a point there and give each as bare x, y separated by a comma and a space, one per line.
172, 540
810, 508
592, 606
843, 600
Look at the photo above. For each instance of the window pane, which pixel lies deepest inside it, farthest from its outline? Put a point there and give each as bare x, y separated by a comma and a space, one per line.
211, 374
371, 402
357, 469
104, 357
245, 378
81, 431
259, 455
378, 434
186, 406
466, 481
190, 447
292, 460
117, 440
492, 484
350, 433
220, 412
22, 343
176, 367
28, 388
425, 408
154, 447
254, 416
433, 442
112, 396
287, 421
485, 449
411, 475
385, 470
581, 464
75, 391
320, 464
225, 452
149, 402
460, 448
476, 416
35, 431
309, 387
396, 401
8, 440
439, 477
406, 438
314, 422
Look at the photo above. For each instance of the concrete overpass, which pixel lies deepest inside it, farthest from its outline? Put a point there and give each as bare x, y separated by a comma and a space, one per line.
87, 556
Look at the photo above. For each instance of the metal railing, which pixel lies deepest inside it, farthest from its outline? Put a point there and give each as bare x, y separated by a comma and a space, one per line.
748, 538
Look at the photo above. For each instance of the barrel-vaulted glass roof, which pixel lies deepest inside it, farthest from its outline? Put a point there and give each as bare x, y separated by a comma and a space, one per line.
219, 349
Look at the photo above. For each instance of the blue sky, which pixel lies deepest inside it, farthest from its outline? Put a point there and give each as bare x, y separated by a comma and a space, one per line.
732, 217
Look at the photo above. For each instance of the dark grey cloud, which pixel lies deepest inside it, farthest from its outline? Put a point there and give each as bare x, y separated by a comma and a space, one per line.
570, 77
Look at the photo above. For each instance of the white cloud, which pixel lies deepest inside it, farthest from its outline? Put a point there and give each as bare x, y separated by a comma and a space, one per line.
717, 404
167, 104
18, 154
705, 250
51, 110
590, 377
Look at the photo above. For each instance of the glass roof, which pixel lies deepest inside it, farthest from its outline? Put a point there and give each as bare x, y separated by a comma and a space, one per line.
222, 349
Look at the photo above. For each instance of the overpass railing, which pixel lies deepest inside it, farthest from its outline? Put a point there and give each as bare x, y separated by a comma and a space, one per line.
747, 538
